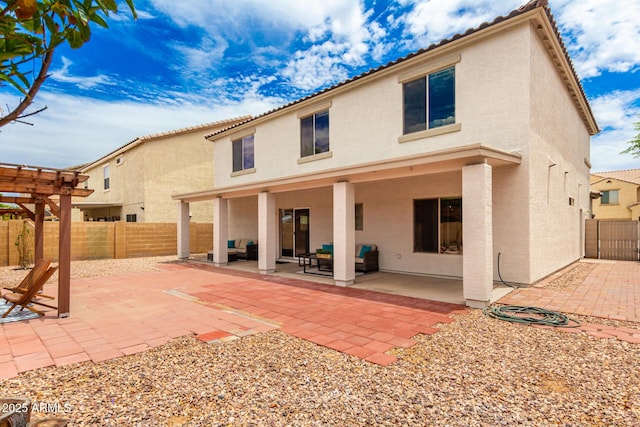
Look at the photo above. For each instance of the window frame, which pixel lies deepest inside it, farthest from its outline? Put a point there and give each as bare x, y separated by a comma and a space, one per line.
434, 244
312, 117
106, 177
243, 143
608, 193
424, 104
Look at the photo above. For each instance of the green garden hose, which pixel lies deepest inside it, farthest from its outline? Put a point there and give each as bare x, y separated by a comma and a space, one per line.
530, 315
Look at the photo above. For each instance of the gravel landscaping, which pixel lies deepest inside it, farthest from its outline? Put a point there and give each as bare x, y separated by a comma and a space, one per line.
476, 371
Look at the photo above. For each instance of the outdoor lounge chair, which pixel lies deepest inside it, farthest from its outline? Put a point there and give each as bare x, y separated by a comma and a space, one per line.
38, 269
24, 299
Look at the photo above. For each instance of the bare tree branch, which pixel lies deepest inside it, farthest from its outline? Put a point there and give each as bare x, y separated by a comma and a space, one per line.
26, 101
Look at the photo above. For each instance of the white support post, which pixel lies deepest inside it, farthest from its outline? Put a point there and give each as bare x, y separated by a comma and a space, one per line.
344, 234
267, 233
220, 231
183, 230
477, 235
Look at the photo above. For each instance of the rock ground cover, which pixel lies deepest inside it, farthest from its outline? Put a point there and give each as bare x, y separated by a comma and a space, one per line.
476, 371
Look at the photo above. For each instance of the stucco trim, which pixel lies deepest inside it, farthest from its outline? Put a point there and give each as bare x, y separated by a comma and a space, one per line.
449, 159
456, 127
321, 156
242, 133
430, 67
314, 109
243, 172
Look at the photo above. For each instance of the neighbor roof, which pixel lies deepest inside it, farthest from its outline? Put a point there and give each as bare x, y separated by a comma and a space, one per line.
627, 175
530, 6
226, 123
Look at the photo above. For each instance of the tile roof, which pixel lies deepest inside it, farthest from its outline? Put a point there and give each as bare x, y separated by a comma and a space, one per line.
226, 123
628, 175
531, 5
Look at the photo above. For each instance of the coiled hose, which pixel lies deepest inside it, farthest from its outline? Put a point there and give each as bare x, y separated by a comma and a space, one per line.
530, 315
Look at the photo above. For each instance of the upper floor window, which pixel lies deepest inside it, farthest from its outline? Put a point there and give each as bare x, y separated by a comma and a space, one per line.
105, 172
243, 153
429, 101
314, 134
609, 197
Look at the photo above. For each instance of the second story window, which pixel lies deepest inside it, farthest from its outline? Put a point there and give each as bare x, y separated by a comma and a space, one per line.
243, 153
429, 101
609, 197
105, 171
314, 134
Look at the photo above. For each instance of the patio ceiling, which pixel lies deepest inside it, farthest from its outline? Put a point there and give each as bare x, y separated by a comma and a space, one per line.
423, 164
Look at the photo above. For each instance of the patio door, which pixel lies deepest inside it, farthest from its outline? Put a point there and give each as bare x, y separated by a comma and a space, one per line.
294, 232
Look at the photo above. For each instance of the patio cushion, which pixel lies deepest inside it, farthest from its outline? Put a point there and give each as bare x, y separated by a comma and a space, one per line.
363, 250
231, 244
242, 244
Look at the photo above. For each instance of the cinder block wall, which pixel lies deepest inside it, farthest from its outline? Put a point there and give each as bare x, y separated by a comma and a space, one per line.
108, 240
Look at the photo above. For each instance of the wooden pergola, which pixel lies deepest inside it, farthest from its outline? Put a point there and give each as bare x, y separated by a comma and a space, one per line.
36, 185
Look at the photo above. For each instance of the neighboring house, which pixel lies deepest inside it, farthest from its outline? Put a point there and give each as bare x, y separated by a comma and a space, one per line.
135, 182
620, 195
445, 159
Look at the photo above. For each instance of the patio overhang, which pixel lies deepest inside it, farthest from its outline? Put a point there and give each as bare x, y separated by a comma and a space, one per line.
423, 164
96, 205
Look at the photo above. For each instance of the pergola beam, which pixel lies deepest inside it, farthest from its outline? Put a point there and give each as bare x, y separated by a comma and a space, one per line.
36, 185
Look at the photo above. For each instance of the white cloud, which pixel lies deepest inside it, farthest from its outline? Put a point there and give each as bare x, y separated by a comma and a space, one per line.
431, 21
603, 34
83, 82
75, 130
616, 113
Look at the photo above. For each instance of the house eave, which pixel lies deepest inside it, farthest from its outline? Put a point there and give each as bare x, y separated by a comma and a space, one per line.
440, 161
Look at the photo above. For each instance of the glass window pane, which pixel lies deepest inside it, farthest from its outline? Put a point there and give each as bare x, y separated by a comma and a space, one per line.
306, 136
613, 197
237, 155
425, 225
247, 148
322, 132
415, 105
442, 102
451, 226
359, 217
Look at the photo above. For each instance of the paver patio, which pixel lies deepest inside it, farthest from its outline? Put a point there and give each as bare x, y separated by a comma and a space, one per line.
125, 314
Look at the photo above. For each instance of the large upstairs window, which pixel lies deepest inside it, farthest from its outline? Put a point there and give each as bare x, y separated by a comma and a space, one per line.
243, 158
314, 134
429, 101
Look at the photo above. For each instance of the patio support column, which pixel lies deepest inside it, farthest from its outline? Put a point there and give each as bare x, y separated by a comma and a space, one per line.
344, 234
183, 230
64, 256
267, 233
38, 241
477, 235
220, 231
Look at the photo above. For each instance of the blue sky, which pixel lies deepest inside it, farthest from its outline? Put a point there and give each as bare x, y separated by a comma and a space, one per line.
197, 61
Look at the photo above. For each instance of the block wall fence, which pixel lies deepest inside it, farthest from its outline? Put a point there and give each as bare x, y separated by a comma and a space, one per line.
108, 240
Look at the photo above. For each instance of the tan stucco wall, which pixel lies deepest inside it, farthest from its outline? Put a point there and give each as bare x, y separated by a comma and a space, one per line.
559, 147
627, 196
366, 122
509, 95
151, 173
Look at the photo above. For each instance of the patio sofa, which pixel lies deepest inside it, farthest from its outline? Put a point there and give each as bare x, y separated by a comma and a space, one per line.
366, 256
240, 249
243, 248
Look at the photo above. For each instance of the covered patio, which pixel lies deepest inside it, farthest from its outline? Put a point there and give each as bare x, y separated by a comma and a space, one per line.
465, 173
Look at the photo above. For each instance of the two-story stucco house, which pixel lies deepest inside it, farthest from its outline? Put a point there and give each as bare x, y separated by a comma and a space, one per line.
620, 195
135, 182
470, 148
